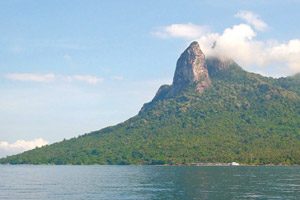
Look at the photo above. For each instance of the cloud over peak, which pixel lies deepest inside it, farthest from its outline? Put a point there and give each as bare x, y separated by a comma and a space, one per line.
187, 31
252, 19
239, 42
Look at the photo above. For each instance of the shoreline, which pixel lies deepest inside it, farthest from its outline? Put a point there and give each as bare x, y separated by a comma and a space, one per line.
170, 165
230, 165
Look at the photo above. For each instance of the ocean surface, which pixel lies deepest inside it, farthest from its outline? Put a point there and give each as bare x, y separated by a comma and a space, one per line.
148, 182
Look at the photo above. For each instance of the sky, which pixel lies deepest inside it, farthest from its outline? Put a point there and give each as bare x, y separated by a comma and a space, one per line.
72, 67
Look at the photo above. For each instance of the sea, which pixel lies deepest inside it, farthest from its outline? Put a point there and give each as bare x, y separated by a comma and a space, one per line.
41, 182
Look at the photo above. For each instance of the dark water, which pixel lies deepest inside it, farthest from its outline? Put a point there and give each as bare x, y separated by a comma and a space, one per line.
148, 182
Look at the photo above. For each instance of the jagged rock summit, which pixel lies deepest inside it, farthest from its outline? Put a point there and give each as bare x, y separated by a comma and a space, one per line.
191, 70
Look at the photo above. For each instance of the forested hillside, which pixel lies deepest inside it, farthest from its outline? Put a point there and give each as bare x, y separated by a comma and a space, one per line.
213, 112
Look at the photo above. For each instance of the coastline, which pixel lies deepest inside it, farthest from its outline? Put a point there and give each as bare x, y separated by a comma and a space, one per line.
166, 165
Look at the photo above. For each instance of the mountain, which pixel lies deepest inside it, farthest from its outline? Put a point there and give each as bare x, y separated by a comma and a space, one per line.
214, 111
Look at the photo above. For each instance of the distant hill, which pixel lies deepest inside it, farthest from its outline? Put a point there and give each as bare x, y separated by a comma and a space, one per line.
214, 111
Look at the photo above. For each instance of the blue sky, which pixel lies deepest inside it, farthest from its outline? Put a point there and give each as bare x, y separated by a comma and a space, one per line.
71, 67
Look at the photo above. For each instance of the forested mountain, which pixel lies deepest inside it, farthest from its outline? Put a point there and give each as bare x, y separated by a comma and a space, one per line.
214, 111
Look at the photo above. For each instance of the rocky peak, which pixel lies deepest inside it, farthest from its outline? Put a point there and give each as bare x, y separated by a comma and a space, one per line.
191, 69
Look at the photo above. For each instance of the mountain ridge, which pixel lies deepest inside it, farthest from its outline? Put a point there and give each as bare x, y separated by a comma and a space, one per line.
214, 111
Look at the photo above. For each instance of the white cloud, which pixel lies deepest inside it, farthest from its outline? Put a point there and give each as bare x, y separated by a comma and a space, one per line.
19, 146
33, 77
67, 57
87, 78
187, 31
30, 77
239, 42
252, 19
117, 78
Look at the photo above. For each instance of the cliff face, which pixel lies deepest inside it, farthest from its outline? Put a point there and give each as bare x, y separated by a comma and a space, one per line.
191, 71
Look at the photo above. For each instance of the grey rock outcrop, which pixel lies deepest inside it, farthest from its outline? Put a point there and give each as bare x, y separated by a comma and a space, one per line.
191, 69
191, 72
